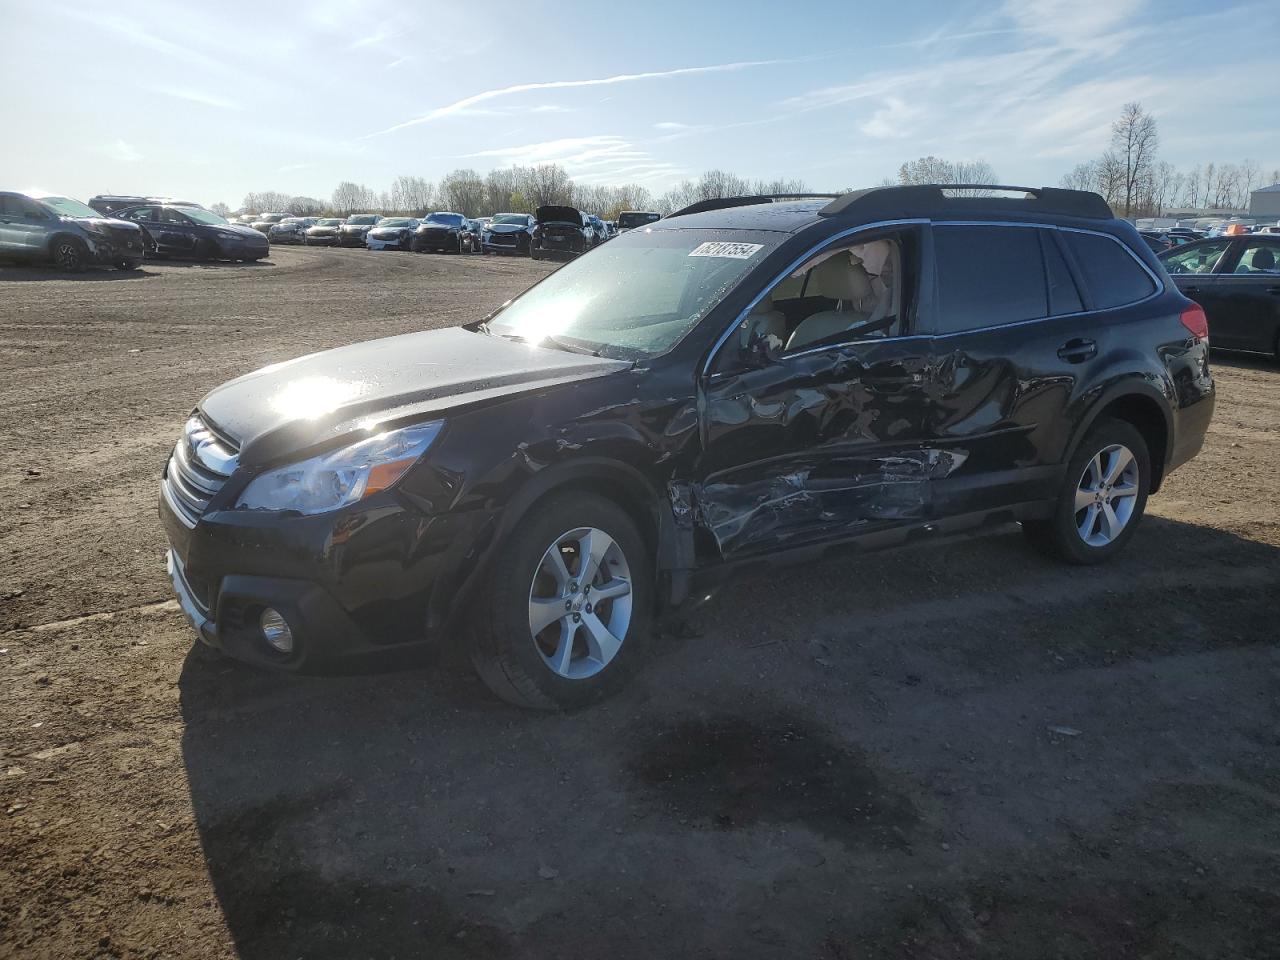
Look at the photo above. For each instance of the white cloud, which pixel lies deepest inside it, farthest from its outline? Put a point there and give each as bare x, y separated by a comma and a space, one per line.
670, 125
891, 120
465, 102
197, 96
123, 151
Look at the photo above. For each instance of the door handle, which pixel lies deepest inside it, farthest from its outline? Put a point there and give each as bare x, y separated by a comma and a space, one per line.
1078, 351
1190, 289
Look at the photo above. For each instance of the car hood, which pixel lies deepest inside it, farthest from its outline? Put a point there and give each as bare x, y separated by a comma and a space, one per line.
320, 229
358, 226
506, 228
106, 224
389, 231
437, 225
554, 214
291, 408
240, 230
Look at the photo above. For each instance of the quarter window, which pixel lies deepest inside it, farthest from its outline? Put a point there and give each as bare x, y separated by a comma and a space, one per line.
1063, 295
987, 277
1112, 275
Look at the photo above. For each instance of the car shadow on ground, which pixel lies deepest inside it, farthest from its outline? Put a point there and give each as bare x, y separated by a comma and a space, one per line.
1244, 360
209, 264
29, 274
715, 807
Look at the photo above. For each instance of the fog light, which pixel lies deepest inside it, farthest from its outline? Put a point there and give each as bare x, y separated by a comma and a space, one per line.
275, 630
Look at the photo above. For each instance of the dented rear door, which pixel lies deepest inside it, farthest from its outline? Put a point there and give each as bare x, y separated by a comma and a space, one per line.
819, 446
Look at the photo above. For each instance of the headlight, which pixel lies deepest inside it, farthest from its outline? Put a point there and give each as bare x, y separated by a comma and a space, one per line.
333, 480
226, 235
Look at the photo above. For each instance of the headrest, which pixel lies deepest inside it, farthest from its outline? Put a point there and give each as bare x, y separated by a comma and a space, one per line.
1263, 259
840, 278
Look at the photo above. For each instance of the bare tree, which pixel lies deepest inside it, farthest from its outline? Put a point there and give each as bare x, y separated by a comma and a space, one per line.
1134, 141
547, 183
412, 195
305, 206
267, 201
462, 191
933, 169
1083, 176
220, 208
349, 198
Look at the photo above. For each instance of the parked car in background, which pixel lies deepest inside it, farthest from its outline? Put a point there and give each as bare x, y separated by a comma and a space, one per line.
356, 228
196, 232
630, 219
266, 221
323, 233
508, 233
110, 203
290, 230
1237, 282
560, 232
741, 384
441, 232
472, 231
1156, 241
67, 233
392, 233
600, 233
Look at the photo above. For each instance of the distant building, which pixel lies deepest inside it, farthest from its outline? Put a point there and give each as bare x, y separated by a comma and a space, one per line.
1265, 203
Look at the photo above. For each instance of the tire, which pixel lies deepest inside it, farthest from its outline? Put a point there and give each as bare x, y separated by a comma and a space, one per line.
538, 670
70, 255
207, 250
1080, 531
129, 264
534, 254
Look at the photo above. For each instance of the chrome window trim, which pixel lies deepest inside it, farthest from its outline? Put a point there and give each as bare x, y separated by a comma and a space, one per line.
1160, 287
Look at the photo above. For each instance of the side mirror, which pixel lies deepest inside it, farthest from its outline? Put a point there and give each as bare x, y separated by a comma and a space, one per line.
762, 350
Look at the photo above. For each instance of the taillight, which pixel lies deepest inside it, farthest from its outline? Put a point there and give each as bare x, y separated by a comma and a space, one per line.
1195, 321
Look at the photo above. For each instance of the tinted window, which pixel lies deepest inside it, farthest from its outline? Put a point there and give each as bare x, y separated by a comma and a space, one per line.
1063, 295
1196, 258
1114, 278
987, 276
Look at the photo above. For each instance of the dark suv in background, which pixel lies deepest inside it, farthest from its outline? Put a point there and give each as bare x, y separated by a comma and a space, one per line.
745, 382
66, 232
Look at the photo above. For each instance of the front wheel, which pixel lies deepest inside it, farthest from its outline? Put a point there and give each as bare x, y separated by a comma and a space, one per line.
566, 614
70, 255
1103, 498
129, 264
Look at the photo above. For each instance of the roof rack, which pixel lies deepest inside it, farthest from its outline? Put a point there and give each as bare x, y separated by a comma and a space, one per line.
721, 203
923, 200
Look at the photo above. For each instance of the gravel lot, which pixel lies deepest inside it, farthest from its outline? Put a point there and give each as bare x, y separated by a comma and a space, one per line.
952, 750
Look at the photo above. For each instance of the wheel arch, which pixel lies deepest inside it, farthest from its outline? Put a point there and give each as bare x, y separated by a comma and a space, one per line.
63, 234
1141, 405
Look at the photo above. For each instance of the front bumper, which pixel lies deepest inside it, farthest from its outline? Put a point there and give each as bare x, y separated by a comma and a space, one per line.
377, 576
285, 237
323, 240
396, 243
351, 239
113, 248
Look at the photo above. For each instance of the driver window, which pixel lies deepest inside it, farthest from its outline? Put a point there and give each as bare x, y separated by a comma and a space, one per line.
1197, 258
170, 215
852, 292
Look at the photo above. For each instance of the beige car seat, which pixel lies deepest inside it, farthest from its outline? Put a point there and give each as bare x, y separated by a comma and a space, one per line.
841, 279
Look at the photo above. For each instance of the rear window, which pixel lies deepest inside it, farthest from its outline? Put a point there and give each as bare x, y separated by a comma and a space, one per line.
1113, 276
987, 276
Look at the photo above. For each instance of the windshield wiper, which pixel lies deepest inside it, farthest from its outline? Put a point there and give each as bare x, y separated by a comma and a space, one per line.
564, 344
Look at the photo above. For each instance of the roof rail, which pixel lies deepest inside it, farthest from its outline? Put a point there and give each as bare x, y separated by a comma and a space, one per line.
923, 200
721, 203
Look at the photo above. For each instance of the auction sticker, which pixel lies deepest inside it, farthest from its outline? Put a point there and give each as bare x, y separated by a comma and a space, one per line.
724, 248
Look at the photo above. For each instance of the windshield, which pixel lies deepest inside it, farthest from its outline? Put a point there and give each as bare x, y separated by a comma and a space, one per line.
67, 207
329, 223
519, 218
363, 218
638, 295
633, 219
205, 216
396, 222
452, 219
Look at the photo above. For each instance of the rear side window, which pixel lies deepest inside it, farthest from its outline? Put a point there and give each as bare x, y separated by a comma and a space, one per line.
987, 276
1112, 274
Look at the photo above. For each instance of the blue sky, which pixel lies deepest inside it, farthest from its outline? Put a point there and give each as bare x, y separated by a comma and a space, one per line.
208, 101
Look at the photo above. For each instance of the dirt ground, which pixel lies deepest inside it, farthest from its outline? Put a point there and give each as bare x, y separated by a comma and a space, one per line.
948, 751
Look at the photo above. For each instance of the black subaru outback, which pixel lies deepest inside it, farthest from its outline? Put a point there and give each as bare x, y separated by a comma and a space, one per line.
744, 381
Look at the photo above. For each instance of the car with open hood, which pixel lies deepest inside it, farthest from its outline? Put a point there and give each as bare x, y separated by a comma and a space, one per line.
67, 233
508, 233
442, 232
392, 233
561, 233
749, 382
196, 232
324, 232
356, 228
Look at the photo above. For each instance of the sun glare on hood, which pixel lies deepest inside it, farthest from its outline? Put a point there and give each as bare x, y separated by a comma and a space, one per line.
313, 397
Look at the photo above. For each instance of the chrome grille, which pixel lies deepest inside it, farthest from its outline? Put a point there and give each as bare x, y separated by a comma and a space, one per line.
199, 466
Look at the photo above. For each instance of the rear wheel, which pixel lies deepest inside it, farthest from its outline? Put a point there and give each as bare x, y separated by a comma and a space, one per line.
566, 613
1103, 498
70, 254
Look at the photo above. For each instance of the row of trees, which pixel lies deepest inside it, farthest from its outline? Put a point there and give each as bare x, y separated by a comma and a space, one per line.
1137, 183
1129, 175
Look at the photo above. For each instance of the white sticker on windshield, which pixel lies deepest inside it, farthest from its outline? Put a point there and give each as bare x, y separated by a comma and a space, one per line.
724, 248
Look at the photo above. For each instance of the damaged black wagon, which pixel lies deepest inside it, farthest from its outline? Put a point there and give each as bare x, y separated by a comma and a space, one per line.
744, 381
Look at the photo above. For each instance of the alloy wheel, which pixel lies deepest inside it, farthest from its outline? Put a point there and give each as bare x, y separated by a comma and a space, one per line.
580, 603
67, 255
1106, 495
